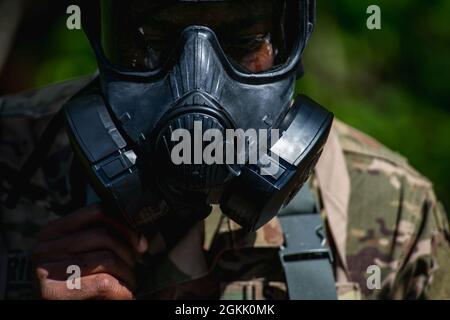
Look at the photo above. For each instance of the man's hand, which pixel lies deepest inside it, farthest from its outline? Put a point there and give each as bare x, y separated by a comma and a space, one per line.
103, 249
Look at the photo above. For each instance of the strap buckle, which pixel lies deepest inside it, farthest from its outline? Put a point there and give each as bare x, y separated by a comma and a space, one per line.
306, 260
304, 238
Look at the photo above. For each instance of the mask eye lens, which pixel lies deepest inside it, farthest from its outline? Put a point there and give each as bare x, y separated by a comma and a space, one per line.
256, 35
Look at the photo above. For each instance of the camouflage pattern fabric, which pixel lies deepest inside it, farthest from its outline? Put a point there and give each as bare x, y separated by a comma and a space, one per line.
377, 209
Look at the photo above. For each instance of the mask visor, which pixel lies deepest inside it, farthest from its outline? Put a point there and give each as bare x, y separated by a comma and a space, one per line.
257, 36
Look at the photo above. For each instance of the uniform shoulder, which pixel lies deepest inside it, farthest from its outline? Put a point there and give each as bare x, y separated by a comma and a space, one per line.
394, 221
357, 144
40, 102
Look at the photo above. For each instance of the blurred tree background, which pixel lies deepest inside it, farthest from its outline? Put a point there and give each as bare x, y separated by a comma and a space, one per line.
391, 83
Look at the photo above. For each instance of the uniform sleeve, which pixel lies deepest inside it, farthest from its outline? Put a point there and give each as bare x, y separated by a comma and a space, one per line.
439, 287
425, 271
23, 118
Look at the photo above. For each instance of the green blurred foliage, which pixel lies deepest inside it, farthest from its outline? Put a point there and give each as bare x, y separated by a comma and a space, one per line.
68, 56
392, 83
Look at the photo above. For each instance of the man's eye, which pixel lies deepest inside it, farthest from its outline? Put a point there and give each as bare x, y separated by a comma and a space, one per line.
250, 43
156, 38
156, 43
153, 40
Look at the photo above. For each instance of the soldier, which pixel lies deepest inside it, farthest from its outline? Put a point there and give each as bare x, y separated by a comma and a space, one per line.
377, 212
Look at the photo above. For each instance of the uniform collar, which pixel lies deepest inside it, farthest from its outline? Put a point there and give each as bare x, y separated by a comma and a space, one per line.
334, 184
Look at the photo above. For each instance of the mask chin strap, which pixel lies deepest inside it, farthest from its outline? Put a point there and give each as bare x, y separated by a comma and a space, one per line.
307, 262
35, 160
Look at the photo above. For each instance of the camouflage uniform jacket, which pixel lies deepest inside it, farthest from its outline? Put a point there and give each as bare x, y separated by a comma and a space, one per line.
378, 211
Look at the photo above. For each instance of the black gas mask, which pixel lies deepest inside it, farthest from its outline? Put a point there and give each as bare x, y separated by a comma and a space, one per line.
204, 69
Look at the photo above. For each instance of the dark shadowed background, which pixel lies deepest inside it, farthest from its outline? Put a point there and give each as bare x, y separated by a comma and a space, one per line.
392, 84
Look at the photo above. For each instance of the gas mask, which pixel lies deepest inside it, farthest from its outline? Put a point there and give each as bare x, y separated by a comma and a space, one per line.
167, 72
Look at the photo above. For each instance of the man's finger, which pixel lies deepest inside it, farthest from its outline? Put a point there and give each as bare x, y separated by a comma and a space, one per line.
89, 263
99, 286
92, 215
83, 242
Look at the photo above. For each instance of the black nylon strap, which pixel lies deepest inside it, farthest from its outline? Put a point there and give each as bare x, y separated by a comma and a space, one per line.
307, 262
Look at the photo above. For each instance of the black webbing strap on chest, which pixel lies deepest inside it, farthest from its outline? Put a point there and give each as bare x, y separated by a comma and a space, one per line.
306, 260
